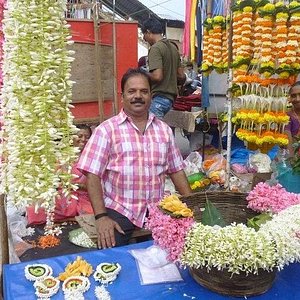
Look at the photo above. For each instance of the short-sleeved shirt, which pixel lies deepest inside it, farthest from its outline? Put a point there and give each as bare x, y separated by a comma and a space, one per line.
294, 126
164, 55
132, 165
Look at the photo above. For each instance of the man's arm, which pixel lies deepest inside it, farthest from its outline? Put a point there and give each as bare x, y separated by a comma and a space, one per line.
180, 181
156, 75
105, 226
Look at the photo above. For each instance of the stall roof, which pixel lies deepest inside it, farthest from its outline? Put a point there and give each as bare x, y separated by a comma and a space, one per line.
137, 11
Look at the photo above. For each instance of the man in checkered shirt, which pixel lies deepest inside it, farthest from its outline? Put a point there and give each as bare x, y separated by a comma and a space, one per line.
126, 161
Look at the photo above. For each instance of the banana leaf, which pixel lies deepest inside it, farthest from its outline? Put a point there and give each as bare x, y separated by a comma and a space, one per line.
211, 215
257, 221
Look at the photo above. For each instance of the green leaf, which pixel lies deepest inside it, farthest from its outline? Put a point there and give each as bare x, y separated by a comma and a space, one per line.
211, 215
257, 221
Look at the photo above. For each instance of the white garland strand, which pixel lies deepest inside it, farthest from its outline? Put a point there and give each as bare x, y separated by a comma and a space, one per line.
38, 125
238, 248
102, 293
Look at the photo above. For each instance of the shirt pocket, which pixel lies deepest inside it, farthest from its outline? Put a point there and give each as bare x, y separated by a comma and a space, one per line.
159, 152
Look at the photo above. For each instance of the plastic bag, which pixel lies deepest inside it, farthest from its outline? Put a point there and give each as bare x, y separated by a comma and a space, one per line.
260, 162
154, 267
193, 163
18, 229
214, 167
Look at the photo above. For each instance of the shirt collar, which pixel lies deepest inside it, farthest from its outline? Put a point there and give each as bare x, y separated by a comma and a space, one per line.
122, 117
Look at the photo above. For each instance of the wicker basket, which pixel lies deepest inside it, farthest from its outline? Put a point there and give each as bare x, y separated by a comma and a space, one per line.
233, 207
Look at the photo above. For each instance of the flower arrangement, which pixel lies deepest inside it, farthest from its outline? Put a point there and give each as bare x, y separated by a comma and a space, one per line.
38, 130
168, 232
215, 49
236, 247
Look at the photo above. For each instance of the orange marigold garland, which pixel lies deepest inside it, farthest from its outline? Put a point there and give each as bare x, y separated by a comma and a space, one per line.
207, 63
266, 58
294, 35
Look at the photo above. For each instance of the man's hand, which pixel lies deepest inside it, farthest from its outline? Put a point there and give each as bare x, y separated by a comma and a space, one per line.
105, 228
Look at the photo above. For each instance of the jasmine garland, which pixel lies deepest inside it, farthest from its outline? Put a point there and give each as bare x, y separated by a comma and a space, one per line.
38, 126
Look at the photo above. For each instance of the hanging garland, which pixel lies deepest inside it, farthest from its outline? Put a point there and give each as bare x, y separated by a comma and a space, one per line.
38, 125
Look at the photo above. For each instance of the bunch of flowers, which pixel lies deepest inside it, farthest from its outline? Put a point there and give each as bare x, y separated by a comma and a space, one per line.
236, 247
168, 232
265, 198
38, 125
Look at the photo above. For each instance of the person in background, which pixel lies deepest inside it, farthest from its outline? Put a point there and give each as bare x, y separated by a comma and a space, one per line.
84, 205
64, 208
142, 63
165, 68
126, 161
293, 128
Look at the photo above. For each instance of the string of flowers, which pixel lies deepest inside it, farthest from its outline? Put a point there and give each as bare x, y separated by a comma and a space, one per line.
242, 39
38, 125
215, 45
208, 51
218, 27
236, 247
294, 35
2, 7
225, 39
284, 49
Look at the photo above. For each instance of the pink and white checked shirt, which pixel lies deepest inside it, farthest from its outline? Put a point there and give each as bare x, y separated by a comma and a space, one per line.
132, 165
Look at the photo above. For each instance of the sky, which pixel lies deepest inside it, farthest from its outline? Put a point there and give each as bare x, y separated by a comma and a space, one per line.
173, 9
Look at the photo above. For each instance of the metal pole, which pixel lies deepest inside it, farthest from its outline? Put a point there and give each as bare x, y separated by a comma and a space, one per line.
229, 103
116, 103
98, 60
3, 239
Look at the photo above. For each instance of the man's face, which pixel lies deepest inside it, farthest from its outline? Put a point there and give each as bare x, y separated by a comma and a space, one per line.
136, 96
295, 96
147, 37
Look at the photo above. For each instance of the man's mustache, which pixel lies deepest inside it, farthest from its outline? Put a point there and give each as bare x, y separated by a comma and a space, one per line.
137, 101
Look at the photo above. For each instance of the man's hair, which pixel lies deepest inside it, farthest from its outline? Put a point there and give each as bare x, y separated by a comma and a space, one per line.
293, 85
152, 25
85, 127
131, 73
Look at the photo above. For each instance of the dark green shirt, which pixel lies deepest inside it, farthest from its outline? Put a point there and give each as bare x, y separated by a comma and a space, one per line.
164, 55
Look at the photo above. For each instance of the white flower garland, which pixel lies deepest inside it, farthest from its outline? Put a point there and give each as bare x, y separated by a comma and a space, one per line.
102, 293
38, 125
238, 248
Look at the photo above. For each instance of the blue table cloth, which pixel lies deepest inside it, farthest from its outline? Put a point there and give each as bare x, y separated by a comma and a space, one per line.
128, 286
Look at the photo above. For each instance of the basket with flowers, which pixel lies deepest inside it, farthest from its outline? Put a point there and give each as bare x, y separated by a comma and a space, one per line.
231, 258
